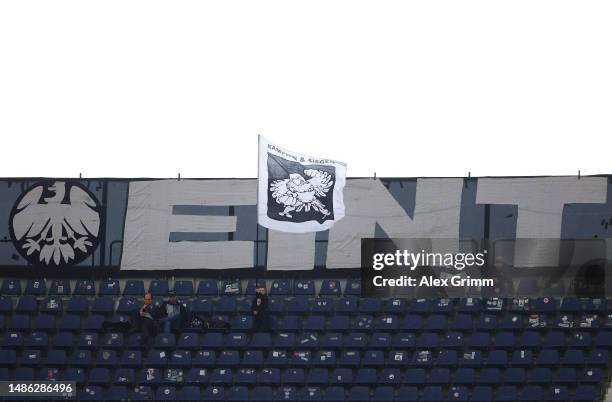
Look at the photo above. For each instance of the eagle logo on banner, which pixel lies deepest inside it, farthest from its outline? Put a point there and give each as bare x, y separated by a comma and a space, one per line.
298, 193
56, 223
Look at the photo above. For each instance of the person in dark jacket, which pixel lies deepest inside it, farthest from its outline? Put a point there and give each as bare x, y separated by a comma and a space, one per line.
172, 314
145, 320
259, 309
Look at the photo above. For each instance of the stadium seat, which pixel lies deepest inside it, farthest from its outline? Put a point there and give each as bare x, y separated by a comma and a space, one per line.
36, 287
304, 287
280, 287
109, 287
84, 287
330, 287
52, 305
60, 287
161, 288
11, 287
208, 287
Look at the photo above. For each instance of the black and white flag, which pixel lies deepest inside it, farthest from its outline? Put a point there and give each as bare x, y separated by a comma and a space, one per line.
298, 193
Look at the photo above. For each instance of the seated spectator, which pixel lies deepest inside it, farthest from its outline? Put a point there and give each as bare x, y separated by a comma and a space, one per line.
259, 309
172, 313
145, 320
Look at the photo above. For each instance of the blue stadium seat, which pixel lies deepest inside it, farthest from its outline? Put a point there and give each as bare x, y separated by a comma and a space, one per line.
284, 340
366, 376
161, 288
189, 393
87, 340
341, 376
228, 358
60, 287
322, 305
117, 393
350, 358
19, 322
81, 358
226, 305
330, 287
252, 284
77, 305
231, 287
472, 358
293, 376
540, 375
338, 323
390, 376
150, 376
598, 357
586, 393
51, 305
221, 376
310, 394
165, 393
300, 358
548, 357
12, 339
134, 288
353, 287
246, 376
37, 340
124, 376
506, 393
24, 374
261, 394
131, 358
11, 287
298, 305
143, 393
489, 375
27, 304
46, 374
432, 394
280, 287
461, 322
515, 375
93, 323
565, 375
457, 394
113, 340
208, 287
558, 393
184, 288
415, 376
30, 357
204, 358
102, 305
74, 374
90, 393
318, 376
553, 339
56, 358
482, 393
109, 287
69, 322
84, 287
107, 357
334, 394
252, 358
331, 340
384, 394
44, 322
304, 287
99, 376
36, 287
407, 394
573, 357
356, 340
359, 394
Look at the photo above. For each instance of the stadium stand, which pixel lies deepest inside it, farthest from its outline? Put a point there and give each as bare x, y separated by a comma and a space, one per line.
326, 344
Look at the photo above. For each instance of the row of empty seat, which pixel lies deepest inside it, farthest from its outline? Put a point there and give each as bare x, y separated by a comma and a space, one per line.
213, 287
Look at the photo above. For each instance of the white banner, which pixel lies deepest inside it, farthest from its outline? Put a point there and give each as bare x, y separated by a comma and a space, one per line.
298, 193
